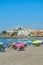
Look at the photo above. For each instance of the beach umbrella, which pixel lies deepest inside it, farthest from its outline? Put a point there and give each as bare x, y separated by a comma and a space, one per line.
25, 44
20, 45
1, 44
29, 42
36, 42
40, 41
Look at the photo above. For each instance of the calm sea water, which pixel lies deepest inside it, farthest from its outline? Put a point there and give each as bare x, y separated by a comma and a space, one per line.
9, 40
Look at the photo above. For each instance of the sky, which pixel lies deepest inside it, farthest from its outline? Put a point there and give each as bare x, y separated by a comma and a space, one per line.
25, 13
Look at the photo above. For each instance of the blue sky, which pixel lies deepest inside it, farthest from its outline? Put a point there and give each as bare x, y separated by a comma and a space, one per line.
26, 13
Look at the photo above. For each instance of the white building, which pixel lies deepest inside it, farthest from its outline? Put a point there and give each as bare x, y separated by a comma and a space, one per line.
24, 32
10, 31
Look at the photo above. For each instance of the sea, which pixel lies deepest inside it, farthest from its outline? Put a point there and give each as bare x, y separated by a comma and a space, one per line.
8, 41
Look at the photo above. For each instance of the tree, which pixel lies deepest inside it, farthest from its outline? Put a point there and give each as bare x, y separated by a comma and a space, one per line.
4, 32
14, 33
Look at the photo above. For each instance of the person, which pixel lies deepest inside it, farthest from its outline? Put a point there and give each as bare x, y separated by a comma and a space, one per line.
3, 48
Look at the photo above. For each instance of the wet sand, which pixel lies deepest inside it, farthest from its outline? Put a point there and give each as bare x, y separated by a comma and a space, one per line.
31, 56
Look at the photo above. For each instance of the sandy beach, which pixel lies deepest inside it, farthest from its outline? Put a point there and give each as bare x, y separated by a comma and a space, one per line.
31, 56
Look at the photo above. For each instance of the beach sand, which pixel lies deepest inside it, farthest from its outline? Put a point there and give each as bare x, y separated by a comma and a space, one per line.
31, 56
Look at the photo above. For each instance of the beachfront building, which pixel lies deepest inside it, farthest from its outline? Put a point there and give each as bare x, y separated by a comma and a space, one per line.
10, 31
24, 31
37, 33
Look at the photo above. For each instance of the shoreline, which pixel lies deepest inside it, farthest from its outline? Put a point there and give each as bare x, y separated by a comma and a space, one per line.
21, 37
18, 36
